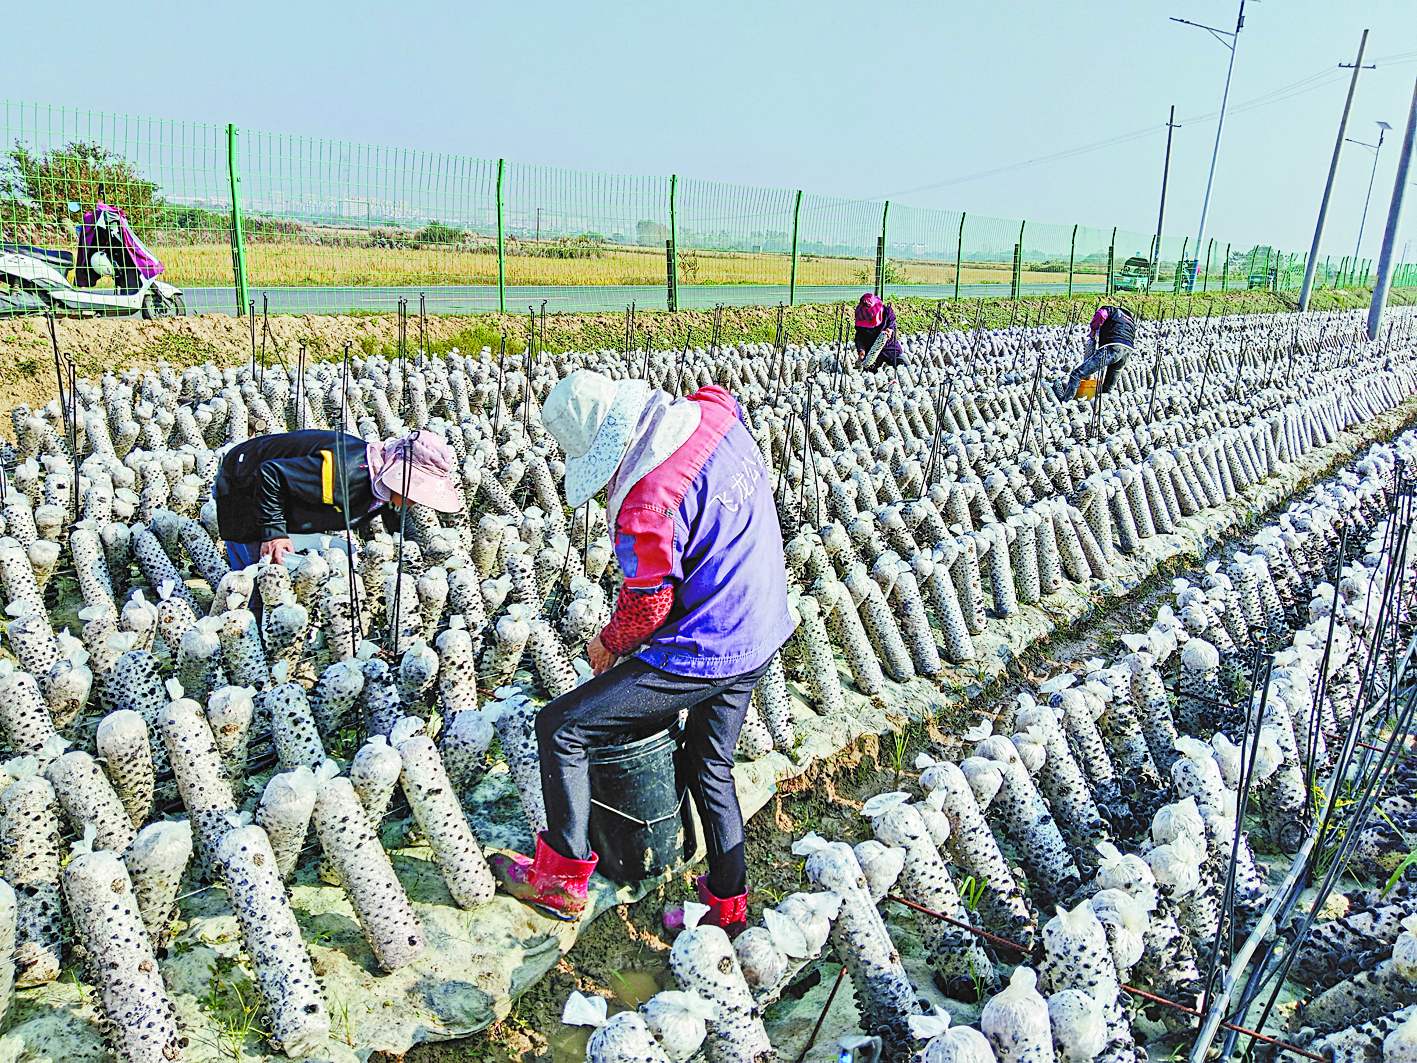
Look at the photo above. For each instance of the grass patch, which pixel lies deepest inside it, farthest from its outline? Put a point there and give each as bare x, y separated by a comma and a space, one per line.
175, 348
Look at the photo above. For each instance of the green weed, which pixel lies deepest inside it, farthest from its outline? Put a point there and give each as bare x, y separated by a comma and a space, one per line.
776, 896
1393, 879
971, 891
900, 743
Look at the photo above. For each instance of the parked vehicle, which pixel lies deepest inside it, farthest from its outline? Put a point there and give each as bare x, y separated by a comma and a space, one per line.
1266, 279
36, 280
1134, 276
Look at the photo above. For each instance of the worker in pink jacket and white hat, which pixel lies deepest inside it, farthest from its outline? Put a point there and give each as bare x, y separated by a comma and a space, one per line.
702, 612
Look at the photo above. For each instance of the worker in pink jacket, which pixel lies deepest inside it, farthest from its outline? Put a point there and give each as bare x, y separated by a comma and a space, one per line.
702, 612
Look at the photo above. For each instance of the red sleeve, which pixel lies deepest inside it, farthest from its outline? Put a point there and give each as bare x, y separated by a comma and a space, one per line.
644, 546
638, 614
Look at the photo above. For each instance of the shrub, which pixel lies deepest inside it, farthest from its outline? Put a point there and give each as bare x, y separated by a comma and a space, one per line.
435, 232
894, 273
80, 172
583, 246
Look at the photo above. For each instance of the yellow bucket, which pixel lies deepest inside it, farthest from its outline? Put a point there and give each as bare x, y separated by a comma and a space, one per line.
1088, 388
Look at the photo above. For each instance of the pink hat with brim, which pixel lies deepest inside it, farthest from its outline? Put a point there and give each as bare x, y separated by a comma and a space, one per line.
420, 469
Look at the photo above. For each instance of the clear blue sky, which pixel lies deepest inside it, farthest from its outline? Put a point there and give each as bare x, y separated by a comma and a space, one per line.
857, 100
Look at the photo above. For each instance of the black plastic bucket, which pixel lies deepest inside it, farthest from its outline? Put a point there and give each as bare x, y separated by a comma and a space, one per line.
640, 820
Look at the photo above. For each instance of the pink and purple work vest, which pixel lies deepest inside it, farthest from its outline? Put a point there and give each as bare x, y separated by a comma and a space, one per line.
705, 522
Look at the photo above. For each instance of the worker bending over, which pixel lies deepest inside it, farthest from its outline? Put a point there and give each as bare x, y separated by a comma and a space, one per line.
702, 611
877, 339
1111, 338
274, 493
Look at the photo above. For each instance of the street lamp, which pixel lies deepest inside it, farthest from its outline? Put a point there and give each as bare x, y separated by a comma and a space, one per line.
1234, 39
1376, 149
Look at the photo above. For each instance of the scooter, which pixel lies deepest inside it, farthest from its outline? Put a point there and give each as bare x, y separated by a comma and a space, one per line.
34, 280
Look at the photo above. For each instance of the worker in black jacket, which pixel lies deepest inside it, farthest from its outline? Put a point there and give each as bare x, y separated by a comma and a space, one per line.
297, 483
1111, 338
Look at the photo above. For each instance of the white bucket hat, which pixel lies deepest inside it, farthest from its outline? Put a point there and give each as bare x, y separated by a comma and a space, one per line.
593, 418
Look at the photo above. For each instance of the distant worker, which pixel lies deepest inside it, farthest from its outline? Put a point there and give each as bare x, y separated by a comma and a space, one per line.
702, 611
275, 494
1111, 338
877, 340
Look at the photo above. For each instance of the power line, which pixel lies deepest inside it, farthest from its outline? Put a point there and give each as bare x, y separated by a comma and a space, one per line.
1318, 80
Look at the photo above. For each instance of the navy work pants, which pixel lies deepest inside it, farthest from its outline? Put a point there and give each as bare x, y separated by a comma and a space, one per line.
242, 555
633, 700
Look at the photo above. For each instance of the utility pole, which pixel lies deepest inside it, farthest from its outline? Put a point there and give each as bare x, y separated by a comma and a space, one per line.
1394, 216
1232, 44
1332, 172
1171, 128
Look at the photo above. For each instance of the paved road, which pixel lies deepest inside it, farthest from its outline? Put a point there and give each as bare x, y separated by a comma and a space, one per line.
471, 299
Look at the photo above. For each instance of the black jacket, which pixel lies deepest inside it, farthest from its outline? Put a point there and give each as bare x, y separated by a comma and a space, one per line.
272, 486
1118, 328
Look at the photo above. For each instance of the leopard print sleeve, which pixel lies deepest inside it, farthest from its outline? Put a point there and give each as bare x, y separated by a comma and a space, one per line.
638, 614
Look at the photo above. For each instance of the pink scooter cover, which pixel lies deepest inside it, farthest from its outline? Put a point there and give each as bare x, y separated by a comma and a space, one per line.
147, 263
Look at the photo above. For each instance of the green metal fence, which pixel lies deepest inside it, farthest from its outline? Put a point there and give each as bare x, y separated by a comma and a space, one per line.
241, 217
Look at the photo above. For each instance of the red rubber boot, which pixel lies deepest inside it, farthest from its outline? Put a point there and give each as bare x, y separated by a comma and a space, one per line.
729, 913
550, 881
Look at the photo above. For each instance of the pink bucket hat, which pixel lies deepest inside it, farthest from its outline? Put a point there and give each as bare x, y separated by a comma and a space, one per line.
426, 460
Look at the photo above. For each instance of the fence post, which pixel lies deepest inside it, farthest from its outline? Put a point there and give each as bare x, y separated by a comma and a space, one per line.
673, 245
1225, 271
959, 252
1016, 279
1181, 265
1072, 254
238, 234
881, 253
501, 242
1111, 259
1205, 281
792, 280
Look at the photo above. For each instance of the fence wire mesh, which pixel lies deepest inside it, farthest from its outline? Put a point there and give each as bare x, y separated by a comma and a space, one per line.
310, 225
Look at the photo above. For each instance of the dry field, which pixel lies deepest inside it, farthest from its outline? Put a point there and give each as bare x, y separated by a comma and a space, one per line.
280, 264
